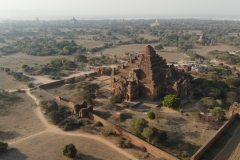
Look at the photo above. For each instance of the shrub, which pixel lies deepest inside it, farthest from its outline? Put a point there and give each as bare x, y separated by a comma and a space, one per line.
3, 147
98, 124
151, 115
118, 98
6, 69
30, 84
69, 150
171, 101
124, 143
107, 131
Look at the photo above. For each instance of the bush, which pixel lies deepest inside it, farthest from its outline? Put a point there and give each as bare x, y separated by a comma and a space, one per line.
98, 124
124, 143
3, 147
30, 84
6, 69
69, 150
171, 101
151, 115
118, 98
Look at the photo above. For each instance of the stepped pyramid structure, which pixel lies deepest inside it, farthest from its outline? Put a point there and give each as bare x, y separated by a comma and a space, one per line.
148, 76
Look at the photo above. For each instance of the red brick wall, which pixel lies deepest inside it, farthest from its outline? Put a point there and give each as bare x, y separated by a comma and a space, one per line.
135, 140
208, 144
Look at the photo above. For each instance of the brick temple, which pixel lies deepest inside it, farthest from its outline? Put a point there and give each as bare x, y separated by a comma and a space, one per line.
148, 76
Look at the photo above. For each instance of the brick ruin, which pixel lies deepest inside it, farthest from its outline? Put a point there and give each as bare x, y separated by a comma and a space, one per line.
79, 109
148, 76
234, 109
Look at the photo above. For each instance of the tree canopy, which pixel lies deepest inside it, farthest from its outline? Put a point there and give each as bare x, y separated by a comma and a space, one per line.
69, 150
171, 101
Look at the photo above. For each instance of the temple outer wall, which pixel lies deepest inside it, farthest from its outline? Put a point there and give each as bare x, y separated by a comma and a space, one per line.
209, 143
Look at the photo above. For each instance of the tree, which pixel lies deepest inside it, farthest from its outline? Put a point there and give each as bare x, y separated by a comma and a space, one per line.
118, 98
6, 69
218, 114
69, 150
159, 47
136, 125
139, 125
3, 147
82, 65
208, 101
30, 85
171, 101
91, 87
151, 115
80, 58
148, 133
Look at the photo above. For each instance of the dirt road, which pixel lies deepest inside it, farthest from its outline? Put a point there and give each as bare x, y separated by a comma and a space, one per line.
54, 129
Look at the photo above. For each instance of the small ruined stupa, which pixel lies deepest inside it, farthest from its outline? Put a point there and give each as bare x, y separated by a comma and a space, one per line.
73, 21
202, 39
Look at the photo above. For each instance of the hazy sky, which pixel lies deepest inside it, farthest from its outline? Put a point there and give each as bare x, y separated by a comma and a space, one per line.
62, 9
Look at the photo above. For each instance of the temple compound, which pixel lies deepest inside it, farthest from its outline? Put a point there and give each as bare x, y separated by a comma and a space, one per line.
148, 76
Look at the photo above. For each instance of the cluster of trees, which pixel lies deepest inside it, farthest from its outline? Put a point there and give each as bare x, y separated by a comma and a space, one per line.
55, 113
61, 63
225, 56
104, 46
87, 91
97, 61
17, 75
39, 46
140, 128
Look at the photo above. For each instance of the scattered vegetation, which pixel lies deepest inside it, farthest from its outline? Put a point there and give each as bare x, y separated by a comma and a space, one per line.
69, 150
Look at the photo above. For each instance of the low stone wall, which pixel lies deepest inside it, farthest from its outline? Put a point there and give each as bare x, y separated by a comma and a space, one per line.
47, 85
208, 144
135, 140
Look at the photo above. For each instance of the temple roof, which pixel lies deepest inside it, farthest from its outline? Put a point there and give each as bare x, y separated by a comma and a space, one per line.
148, 50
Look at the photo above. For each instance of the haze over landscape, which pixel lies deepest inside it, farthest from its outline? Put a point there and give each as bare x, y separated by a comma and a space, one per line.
120, 80
94, 9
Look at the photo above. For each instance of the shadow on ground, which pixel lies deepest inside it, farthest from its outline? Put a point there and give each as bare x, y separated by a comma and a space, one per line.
13, 154
8, 135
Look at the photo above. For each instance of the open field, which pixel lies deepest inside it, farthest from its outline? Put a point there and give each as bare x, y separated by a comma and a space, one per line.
203, 50
49, 146
15, 61
168, 53
17, 117
8, 82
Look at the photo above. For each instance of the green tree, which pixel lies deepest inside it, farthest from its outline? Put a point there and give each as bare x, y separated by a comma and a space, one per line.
208, 101
171, 101
151, 115
30, 85
218, 114
6, 69
148, 133
159, 47
118, 98
80, 58
136, 125
69, 150
91, 87
3, 147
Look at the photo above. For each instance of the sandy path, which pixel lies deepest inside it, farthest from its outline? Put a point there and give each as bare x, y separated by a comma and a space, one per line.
54, 129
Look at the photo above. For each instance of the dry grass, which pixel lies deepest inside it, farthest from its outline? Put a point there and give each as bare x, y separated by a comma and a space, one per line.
49, 146
203, 50
168, 53
15, 61
17, 118
8, 82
